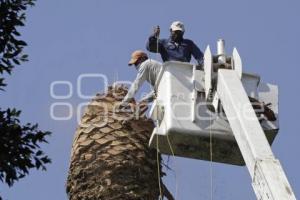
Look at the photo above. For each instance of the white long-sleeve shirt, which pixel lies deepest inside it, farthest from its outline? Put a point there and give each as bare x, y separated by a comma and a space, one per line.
147, 71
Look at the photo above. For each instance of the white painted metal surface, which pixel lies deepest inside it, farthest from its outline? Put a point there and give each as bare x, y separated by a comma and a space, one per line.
182, 116
194, 95
208, 71
237, 62
221, 51
188, 124
269, 180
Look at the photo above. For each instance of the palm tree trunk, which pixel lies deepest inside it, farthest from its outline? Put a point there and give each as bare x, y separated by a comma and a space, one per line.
110, 158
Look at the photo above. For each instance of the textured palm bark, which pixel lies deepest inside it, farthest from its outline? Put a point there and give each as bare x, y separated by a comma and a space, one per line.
110, 158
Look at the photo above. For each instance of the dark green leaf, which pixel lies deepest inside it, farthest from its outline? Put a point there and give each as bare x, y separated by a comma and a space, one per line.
16, 61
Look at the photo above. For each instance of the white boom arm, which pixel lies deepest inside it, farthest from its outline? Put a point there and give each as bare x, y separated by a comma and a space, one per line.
268, 178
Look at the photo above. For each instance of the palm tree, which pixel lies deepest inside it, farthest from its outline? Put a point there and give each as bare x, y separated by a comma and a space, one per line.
110, 158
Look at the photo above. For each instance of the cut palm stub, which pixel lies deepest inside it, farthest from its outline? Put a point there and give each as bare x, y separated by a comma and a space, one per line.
111, 160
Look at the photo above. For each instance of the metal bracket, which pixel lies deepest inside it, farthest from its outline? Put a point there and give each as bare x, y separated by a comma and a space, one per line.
237, 63
208, 66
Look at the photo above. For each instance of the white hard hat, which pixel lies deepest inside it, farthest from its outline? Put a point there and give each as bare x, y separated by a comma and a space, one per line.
177, 26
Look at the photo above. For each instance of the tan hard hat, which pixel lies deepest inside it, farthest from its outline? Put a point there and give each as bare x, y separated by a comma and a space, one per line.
136, 55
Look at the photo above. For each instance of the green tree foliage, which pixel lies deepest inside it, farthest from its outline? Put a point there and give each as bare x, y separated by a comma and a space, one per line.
19, 144
12, 16
19, 147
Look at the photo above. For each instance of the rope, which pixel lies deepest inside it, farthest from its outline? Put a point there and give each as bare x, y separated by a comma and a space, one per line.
168, 139
173, 155
211, 158
157, 149
158, 170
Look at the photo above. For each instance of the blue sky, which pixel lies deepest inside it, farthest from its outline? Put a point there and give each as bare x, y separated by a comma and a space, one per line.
70, 38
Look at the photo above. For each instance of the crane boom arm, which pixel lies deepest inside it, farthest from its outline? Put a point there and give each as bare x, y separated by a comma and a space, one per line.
268, 178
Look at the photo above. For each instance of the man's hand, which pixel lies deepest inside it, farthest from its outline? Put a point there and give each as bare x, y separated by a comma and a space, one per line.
156, 31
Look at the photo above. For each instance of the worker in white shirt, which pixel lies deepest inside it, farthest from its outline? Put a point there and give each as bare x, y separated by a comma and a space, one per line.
148, 70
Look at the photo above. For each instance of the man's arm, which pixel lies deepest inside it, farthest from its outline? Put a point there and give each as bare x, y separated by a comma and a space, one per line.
135, 86
153, 43
197, 53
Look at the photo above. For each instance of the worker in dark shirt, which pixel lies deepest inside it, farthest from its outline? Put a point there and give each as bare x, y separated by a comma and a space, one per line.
175, 48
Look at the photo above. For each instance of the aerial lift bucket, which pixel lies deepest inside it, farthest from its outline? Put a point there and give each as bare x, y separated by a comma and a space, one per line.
183, 117
199, 114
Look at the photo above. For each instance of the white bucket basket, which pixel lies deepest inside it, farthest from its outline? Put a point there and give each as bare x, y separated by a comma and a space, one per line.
181, 113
